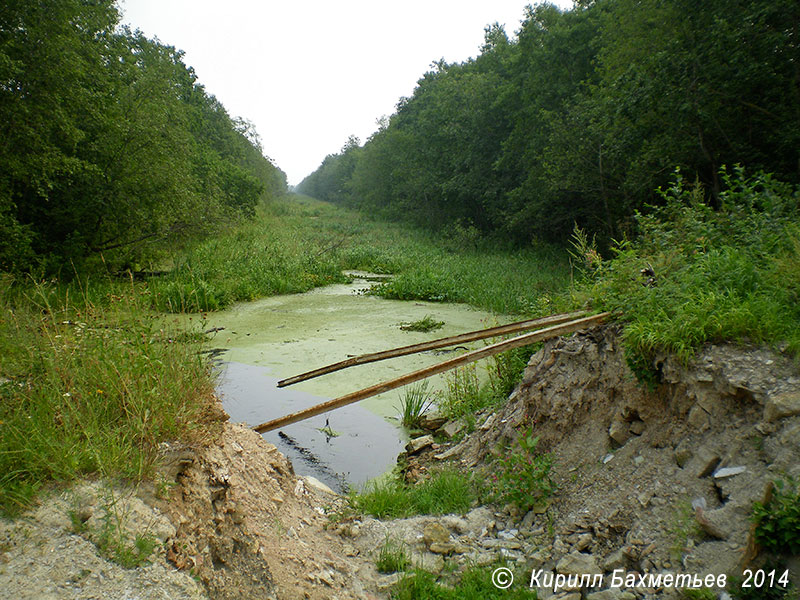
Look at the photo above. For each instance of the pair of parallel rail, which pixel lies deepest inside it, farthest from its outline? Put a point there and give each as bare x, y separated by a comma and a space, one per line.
545, 328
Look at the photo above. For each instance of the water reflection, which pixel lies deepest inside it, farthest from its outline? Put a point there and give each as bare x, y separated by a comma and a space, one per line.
347, 446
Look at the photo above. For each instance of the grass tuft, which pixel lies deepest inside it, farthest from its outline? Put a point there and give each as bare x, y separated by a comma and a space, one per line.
475, 584
414, 404
424, 325
446, 491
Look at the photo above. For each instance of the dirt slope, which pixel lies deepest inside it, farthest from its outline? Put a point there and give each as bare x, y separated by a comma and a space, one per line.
232, 520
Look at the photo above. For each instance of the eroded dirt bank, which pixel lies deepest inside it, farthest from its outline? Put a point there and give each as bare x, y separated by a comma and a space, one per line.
632, 466
629, 464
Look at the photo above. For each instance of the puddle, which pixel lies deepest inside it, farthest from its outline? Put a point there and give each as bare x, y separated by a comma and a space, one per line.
274, 338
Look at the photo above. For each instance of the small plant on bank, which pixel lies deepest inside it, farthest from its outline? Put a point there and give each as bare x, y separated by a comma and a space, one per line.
445, 491
112, 537
523, 477
392, 556
684, 525
583, 253
506, 369
414, 403
778, 589
163, 487
778, 521
424, 325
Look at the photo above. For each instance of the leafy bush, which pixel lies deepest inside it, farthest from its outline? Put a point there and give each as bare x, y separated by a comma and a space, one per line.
778, 521
523, 477
699, 273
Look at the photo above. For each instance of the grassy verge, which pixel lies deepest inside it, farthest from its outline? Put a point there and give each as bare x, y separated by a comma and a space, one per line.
297, 243
91, 387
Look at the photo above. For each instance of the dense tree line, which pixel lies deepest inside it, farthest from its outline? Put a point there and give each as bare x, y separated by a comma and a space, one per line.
582, 116
108, 143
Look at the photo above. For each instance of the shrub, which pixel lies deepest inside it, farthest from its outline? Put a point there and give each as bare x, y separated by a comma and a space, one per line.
523, 477
778, 521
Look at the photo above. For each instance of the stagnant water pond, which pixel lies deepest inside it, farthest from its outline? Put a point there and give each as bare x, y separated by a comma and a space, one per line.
268, 340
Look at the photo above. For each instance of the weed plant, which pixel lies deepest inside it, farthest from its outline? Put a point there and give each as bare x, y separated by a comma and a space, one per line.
506, 369
414, 404
699, 273
446, 491
91, 387
114, 543
392, 557
464, 395
684, 526
522, 477
424, 325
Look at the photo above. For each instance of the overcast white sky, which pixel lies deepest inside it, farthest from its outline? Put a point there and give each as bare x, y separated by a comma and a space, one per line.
309, 73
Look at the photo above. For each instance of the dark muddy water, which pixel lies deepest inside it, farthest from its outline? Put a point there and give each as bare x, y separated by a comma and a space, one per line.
366, 444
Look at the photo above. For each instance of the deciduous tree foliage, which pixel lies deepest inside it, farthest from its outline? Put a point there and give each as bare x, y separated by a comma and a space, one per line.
582, 116
108, 143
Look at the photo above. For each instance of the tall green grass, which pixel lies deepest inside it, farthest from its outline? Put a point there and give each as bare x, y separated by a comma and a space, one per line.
466, 393
297, 243
414, 403
91, 387
476, 583
445, 491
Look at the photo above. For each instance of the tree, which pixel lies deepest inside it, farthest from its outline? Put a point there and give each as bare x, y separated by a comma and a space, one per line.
108, 144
